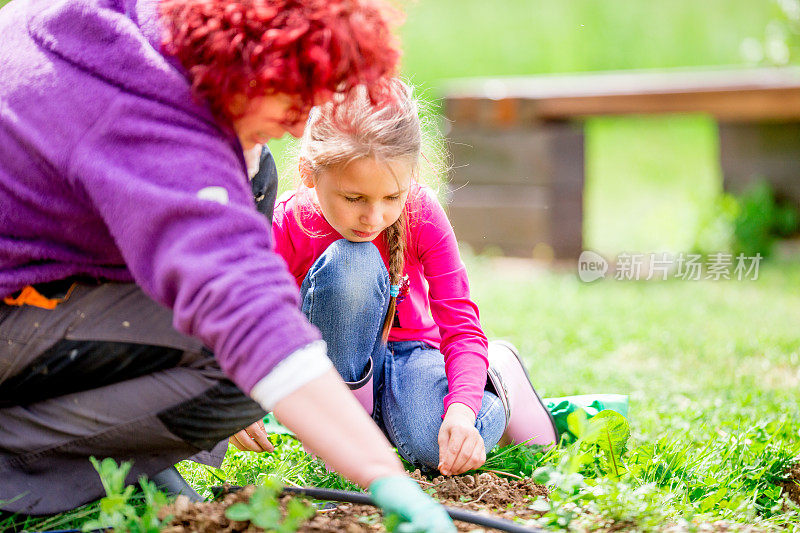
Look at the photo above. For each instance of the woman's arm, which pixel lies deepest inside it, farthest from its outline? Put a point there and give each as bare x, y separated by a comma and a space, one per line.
325, 415
328, 419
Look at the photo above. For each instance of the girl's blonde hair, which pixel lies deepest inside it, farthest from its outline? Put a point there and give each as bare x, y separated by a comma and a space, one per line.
355, 127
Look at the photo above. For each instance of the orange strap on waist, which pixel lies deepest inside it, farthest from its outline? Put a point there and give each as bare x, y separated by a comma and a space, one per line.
32, 297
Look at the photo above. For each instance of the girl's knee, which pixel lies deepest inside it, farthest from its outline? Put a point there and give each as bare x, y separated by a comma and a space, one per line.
352, 271
346, 258
417, 439
421, 444
423, 450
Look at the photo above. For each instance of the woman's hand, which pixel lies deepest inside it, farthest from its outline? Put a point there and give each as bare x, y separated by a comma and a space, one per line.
461, 446
418, 512
253, 438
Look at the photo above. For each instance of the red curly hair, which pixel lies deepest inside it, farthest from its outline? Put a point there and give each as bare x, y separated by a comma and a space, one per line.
308, 49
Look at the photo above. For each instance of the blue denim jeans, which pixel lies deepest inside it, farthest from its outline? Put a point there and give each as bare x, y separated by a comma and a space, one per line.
346, 295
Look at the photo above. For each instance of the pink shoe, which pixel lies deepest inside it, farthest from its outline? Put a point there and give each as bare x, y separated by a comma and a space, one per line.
527, 418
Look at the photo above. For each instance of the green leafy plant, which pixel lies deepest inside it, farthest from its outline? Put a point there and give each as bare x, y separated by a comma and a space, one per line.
263, 509
566, 488
747, 224
762, 219
602, 439
117, 508
577, 503
519, 460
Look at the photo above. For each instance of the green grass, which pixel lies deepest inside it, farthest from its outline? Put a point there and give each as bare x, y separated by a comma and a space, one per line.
712, 369
649, 180
656, 340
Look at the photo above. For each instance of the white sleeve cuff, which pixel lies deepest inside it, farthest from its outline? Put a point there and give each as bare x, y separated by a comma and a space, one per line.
300, 367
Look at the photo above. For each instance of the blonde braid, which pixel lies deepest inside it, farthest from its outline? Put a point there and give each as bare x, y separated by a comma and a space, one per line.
354, 127
396, 242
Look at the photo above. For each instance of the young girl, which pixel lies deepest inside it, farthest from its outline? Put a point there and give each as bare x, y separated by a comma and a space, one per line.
376, 259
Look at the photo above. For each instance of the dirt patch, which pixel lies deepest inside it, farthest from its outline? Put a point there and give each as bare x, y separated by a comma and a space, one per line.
790, 484
485, 493
501, 496
206, 517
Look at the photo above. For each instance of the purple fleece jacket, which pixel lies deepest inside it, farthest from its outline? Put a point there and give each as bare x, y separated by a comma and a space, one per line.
103, 151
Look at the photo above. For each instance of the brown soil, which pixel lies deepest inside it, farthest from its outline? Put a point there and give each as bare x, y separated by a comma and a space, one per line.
790, 484
500, 496
485, 493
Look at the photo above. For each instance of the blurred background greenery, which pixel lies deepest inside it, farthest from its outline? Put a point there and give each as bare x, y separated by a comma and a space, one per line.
652, 183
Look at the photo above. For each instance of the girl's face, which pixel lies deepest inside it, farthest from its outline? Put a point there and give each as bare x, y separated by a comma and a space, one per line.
363, 198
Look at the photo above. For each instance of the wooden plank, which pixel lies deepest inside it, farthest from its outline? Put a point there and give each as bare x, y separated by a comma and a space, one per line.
552, 154
512, 218
726, 106
740, 95
566, 194
502, 157
566, 229
516, 189
507, 113
587, 84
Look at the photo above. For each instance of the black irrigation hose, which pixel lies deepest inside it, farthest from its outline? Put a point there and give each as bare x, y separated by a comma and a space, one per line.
456, 514
69, 531
347, 496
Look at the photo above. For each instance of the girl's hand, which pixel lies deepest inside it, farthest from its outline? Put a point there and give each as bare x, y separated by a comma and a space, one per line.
461, 446
253, 438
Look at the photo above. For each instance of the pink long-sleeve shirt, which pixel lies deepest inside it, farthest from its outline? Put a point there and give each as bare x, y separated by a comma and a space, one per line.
437, 309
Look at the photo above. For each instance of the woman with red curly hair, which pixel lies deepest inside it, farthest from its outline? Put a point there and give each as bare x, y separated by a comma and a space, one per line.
145, 315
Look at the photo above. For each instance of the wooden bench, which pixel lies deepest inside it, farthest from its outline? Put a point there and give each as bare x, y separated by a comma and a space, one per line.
518, 144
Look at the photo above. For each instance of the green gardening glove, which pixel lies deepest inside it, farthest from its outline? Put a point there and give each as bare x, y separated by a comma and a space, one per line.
401, 496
